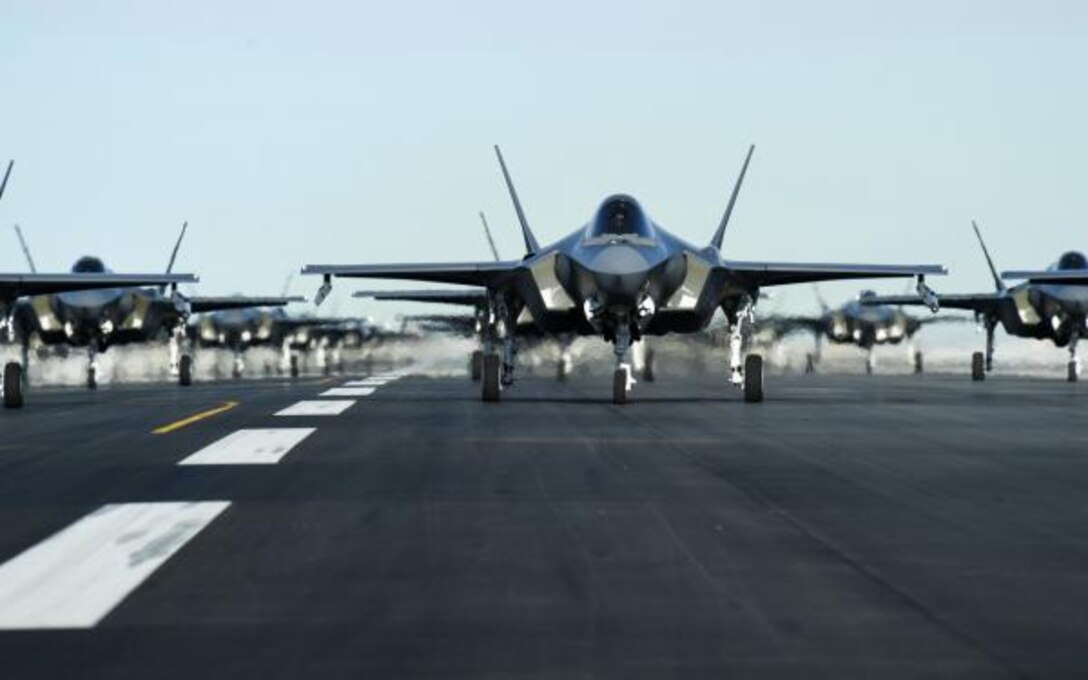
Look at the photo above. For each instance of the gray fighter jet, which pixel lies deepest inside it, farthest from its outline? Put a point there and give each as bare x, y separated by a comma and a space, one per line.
15, 286
622, 277
96, 320
1049, 305
854, 323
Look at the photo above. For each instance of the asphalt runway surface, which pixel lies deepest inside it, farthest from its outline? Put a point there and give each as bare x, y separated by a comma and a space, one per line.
849, 527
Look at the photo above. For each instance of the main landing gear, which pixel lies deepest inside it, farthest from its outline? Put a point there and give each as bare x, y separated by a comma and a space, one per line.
13, 385
476, 365
185, 370
981, 364
491, 366
746, 372
1073, 367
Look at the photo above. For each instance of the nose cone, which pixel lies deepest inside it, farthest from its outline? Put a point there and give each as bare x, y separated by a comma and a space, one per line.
620, 270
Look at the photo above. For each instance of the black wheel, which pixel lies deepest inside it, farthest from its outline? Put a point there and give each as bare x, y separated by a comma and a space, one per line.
978, 367
294, 366
13, 385
476, 366
491, 368
92, 378
810, 363
919, 365
619, 386
753, 378
648, 370
1071, 374
185, 370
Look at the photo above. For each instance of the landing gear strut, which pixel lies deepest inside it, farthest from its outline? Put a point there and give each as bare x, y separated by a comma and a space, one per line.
621, 377
746, 371
1073, 369
92, 369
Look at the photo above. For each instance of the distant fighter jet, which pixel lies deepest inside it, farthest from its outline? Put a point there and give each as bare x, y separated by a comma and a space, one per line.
99, 319
15, 286
1049, 305
622, 277
854, 323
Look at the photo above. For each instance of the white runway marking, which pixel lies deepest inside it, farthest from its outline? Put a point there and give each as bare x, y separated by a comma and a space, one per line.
329, 407
77, 576
369, 382
250, 447
348, 392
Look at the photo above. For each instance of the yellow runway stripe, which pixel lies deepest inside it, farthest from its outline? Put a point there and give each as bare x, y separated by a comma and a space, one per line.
195, 418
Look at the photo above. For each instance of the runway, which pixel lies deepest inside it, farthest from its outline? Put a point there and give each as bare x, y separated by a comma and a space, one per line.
848, 527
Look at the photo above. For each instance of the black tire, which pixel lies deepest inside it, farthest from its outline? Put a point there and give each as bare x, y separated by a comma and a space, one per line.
492, 367
753, 378
92, 378
185, 370
978, 367
294, 366
810, 363
13, 385
619, 386
476, 366
919, 364
1071, 371
648, 373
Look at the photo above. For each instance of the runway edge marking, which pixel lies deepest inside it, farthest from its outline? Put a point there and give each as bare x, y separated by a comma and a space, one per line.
348, 392
77, 576
265, 446
195, 418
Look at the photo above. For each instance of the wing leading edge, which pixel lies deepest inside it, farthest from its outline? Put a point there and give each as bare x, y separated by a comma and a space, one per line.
759, 274
18, 285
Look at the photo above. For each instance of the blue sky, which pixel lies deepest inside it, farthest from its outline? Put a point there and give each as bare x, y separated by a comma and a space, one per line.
289, 133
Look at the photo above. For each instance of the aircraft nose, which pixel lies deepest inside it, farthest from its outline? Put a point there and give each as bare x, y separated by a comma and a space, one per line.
620, 270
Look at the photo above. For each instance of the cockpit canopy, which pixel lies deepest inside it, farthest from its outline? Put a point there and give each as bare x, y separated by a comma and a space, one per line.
620, 216
89, 265
1072, 260
867, 294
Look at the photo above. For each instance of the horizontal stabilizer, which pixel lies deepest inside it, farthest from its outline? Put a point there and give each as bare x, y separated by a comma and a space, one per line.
205, 303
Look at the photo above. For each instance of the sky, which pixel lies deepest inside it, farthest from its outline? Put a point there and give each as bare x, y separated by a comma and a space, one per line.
341, 132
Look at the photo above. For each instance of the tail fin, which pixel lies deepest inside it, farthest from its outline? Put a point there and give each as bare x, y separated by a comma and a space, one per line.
7, 173
998, 283
287, 284
820, 299
490, 241
531, 246
716, 242
26, 250
174, 254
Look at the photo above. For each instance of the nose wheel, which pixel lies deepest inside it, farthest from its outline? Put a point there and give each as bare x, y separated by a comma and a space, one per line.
492, 365
13, 385
476, 365
978, 367
620, 383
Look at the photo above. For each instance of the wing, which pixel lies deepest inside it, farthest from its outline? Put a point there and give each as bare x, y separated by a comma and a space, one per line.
1058, 276
204, 303
17, 285
485, 274
759, 274
981, 302
472, 297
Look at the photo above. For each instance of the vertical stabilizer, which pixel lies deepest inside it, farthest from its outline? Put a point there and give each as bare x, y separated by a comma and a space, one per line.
719, 235
998, 283
531, 246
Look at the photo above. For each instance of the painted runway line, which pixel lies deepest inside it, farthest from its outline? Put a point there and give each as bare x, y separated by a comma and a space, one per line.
250, 447
77, 576
348, 392
368, 382
328, 407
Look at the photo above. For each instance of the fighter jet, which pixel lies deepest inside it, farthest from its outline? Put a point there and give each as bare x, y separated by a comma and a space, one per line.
15, 286
622, 277
854, 323
1049, 305
96, 320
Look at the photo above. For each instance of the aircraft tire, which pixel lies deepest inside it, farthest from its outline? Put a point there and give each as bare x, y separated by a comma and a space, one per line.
810, 363
753, 378
294, 366
491, 367
648, 370
92, 378
619, 386
978, 367
1071, 371
919, 365
13, 385
476, 365
185, 370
